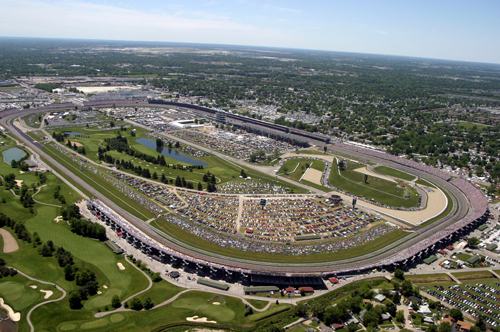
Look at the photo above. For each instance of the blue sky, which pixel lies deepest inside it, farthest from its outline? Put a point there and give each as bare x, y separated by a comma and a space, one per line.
442, 29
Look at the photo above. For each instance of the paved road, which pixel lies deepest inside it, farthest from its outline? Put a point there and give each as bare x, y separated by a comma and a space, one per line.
460, 209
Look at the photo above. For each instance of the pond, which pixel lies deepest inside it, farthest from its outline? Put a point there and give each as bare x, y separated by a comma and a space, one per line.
172, 153
13, 154
73, 133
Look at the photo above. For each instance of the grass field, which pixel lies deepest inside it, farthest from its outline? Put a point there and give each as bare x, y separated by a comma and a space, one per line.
99, 183
223, 170
257, 303
395, 173
428, 278
380, 190
194, 240
470, 125
473, 275
423, 182
295, 173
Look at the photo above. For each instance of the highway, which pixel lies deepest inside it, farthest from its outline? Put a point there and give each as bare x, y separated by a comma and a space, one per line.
370, 260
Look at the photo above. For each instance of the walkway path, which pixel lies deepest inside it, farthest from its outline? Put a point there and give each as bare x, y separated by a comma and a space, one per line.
41, 303
453, 278
240, 212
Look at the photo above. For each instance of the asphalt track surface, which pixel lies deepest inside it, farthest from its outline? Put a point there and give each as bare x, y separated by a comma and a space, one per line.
302, 267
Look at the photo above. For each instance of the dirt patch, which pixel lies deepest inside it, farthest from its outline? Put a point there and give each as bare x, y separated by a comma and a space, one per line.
9, 243
313, 175
76, 143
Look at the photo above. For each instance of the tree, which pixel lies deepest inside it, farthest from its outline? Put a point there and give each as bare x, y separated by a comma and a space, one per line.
370, 318
400, 316
147, 303
396, 298
115, 302
407, 288
136, 304
352, 327
445, 327
456, 314
473, 242
391, 308
200, 186
69, 272
112, 124
399, 274
302, 292
481, 323
83, 276
75, 301
274, 328
300, 310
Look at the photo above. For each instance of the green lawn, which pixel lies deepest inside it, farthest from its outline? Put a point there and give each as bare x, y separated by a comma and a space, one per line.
100, 184
423, 182
395, 173
380, 190
257, 303
295, 173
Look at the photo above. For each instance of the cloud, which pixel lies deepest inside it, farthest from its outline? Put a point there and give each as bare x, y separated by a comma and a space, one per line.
385, 33
80, 19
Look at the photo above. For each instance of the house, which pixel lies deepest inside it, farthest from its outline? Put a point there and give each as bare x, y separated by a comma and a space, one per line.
414, 299
290, 290
337, 326
367, 301
175, 274
334, 281
464, 326
442, 252
362, 313
385, 316
449, 247
380, 298
306, 289
473, 260
316, 320
428, 320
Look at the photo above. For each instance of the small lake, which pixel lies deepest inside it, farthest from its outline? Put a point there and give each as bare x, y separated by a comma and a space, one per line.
13, 154
172, 153
73, 133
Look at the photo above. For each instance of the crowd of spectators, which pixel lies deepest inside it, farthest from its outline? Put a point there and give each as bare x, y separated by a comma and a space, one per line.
250, 187
230, 241
283, 220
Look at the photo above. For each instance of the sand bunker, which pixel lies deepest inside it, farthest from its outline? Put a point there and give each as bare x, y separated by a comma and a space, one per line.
99, 292
104, 286
313, 175
33, 286
58, 218
76, 143
48, 293
14, 316
216, 303
9, 243
120, 266
200, 320
19, 183
21, 172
